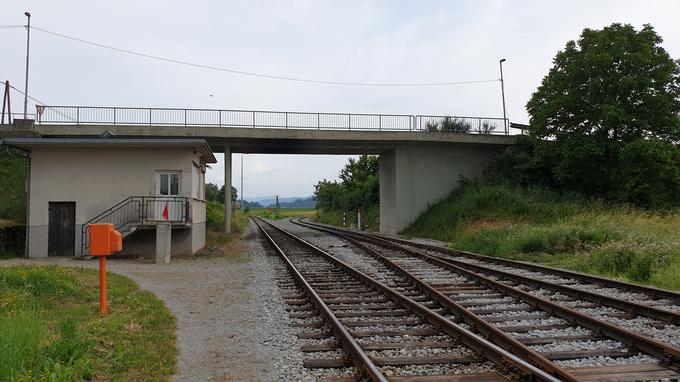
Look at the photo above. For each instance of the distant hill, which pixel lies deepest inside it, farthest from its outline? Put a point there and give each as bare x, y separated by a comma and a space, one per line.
285, 202
248, 204
308, 202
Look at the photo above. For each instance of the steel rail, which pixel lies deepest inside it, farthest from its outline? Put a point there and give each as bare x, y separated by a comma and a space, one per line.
651, 291
359, 357
669, 356
492, 332
515, 366
627, 306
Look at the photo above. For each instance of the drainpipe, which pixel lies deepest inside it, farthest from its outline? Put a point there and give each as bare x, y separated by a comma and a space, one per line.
24, 154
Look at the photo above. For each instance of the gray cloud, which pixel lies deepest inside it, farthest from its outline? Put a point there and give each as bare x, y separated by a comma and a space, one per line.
358, 41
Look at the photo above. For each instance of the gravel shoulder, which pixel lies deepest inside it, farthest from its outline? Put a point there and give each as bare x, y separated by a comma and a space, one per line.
231, 320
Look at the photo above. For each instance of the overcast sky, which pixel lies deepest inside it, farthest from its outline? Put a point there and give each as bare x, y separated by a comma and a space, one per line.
350, 41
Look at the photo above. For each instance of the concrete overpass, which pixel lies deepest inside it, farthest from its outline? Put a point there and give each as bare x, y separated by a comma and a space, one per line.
421, 157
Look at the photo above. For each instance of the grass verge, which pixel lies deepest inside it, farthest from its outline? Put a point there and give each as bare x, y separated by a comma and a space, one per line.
561, 230
215, 216
51, 329
370, 217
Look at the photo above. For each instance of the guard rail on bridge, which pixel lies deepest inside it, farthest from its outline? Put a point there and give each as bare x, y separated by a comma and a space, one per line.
87, 115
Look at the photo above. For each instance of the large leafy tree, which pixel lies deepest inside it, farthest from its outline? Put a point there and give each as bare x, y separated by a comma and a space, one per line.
358, 188
612, 87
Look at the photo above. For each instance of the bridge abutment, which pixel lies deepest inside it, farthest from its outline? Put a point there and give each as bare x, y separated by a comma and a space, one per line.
414, 177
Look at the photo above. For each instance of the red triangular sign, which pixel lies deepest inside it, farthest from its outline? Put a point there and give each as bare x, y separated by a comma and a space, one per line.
165, 212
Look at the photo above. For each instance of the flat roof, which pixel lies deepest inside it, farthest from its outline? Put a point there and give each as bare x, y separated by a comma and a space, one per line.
200, 145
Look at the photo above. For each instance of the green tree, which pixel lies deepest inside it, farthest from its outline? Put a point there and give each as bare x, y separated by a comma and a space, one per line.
612, 87
215, 194
649, 174
358, 187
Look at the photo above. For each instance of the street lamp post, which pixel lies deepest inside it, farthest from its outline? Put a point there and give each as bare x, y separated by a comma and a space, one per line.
505, 117
28, 44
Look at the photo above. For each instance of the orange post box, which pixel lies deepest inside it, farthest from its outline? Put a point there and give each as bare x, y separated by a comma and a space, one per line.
104, 241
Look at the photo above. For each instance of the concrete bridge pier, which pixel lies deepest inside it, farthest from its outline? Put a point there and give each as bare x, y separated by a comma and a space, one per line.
414, 177
227, 188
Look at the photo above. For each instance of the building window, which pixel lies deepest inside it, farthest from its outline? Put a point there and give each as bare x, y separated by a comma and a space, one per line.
197, 189
168, 183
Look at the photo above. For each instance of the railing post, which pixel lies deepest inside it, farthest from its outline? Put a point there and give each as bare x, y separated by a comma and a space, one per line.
380, 122
349, 121
186, 210
318, 121
78, 115
149, 117
253, 119
114, 116
219, 118
286, 120
185, 117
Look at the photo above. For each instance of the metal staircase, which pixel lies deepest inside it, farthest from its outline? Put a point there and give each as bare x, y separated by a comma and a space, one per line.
136, 212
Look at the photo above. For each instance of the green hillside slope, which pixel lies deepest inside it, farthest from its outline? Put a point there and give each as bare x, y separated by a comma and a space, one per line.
567, 231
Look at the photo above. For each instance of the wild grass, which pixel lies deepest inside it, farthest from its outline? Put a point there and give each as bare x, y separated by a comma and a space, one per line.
370, 218
51, 329
215, 216
281, 213
568, 231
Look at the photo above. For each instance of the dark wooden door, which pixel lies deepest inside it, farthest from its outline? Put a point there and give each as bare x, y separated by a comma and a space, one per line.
61, 233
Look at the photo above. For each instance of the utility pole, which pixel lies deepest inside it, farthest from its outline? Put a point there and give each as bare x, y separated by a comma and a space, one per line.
28, 45
505, 117
6, 106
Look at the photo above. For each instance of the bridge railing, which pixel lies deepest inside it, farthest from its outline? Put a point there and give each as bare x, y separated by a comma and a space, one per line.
89, 115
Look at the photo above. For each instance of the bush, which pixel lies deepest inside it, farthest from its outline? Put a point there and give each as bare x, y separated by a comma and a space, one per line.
453, 125
12, 187
648, 174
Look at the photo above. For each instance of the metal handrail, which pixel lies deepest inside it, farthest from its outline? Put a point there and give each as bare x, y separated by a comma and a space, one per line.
161, 116
135, 210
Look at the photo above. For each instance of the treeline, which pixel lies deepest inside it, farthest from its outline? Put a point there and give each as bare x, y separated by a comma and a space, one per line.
605, 121
358, 189
213, 193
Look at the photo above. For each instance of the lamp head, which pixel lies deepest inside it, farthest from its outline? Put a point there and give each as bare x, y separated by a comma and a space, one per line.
502, 60
27, 14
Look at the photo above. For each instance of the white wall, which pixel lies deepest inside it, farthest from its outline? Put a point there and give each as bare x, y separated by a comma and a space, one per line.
97, 178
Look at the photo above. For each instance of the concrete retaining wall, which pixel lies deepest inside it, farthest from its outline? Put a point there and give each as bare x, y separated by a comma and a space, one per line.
413, 178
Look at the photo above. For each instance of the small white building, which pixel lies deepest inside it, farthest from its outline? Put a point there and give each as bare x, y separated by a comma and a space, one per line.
135, 184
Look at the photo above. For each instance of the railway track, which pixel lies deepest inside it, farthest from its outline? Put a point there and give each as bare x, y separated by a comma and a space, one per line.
587, 338
385, 329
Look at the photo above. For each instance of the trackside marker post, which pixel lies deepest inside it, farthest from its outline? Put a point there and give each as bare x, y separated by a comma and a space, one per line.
104, 241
